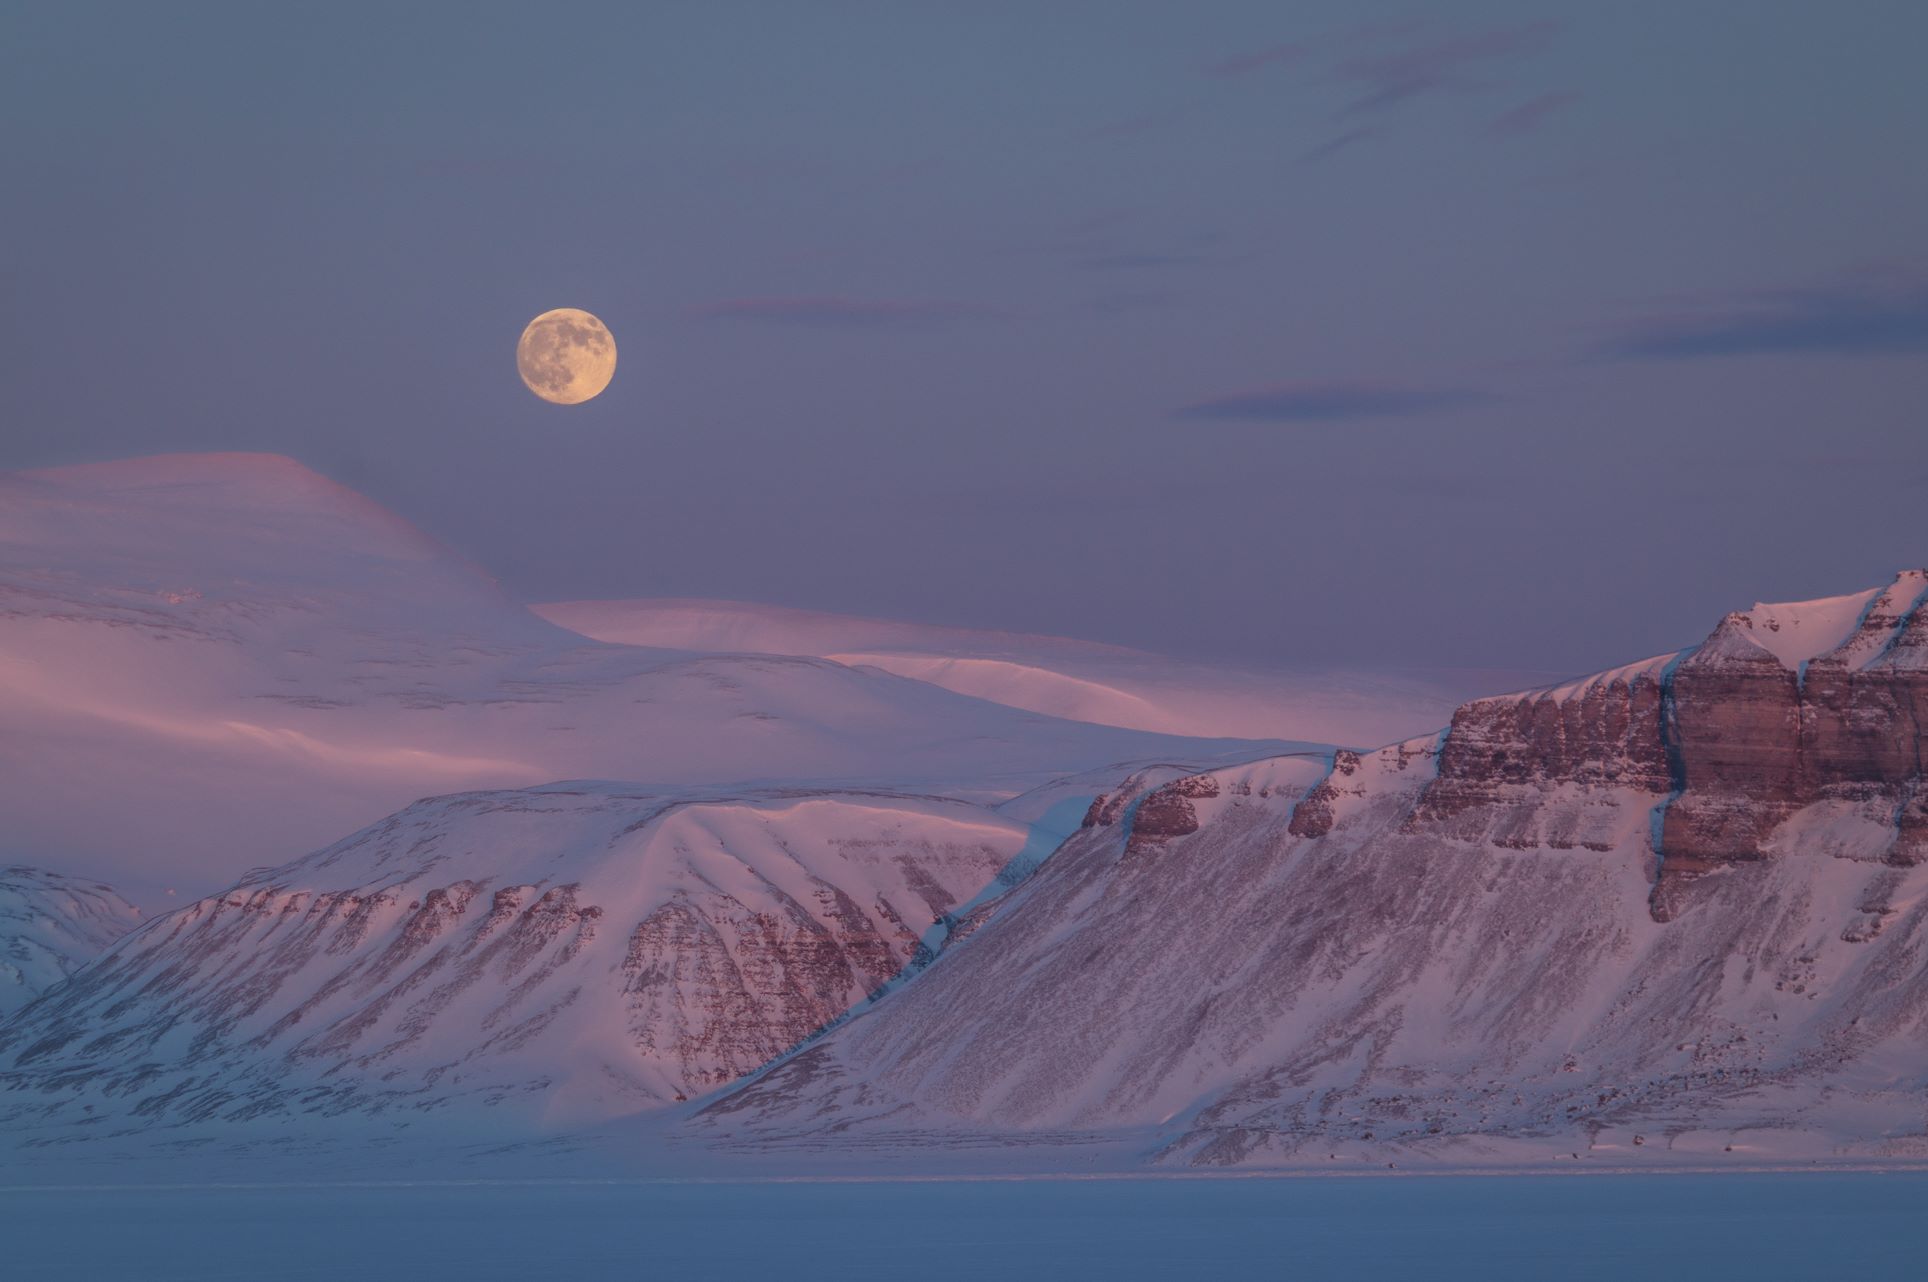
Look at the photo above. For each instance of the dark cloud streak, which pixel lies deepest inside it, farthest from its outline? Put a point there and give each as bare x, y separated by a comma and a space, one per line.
1441, 65
1841, 321
1333, 146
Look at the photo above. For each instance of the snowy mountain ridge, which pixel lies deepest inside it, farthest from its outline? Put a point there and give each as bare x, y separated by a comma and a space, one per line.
1680, 906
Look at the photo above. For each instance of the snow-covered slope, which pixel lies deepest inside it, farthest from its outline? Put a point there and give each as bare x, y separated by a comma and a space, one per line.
208, 660
1503, 943
1680, 906
1082, 680
563, 953
50, 926
1495, 945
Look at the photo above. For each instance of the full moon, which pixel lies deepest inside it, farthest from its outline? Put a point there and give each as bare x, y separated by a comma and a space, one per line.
566, 356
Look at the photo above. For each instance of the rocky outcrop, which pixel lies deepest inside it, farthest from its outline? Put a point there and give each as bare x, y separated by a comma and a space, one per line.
1167, 812
1317, 811
1106, 809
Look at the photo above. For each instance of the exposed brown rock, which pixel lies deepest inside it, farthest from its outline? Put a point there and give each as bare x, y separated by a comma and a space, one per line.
1314, 816
1758, 742
1168, 811
1524, 771
1728, 743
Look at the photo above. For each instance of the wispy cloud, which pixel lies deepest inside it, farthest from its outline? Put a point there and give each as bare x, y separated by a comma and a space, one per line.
1145, 300
837, 312
1280, 55
1131, 127
1379, 67
1333, 146
1847, 320
1531, 114
1332, 402
1143, 260
1118, 245
1445, 64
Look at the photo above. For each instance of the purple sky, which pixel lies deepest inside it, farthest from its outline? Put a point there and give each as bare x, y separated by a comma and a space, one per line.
1483, 334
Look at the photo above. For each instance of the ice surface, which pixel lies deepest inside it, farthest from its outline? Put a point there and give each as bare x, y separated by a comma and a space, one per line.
1712, 1228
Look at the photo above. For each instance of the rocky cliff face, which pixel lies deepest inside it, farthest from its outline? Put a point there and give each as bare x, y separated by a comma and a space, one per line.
1555, 768
1812, 738
50, 926
1677, 906
572, 951
1790, 725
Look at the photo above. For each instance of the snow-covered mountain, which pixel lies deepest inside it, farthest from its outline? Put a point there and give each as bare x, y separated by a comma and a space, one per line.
246, 660
1680, 908
1081, 680
562, 954
51, 925
1676, 908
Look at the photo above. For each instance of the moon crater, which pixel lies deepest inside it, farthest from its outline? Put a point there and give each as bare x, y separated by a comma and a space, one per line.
566, 356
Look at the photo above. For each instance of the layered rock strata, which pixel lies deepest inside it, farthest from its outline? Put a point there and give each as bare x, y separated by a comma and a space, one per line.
578, 949
1676, 907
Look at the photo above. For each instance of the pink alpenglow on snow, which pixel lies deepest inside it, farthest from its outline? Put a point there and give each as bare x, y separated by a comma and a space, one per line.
1684, 899
551, 956
1079, 680
261, 659
1493, 945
